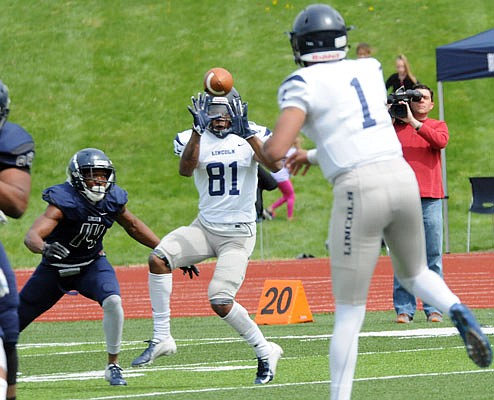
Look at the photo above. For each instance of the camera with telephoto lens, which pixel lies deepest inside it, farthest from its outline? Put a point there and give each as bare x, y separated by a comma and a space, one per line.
398, 110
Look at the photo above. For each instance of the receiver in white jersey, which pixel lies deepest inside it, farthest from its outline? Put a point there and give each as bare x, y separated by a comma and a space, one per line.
226, 169
343, 141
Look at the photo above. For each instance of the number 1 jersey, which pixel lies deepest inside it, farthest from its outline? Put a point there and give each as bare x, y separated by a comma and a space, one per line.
346, 113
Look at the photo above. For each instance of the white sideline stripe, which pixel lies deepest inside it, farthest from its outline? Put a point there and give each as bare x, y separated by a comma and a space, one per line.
280, 385
134, 372
426, 332
83, 376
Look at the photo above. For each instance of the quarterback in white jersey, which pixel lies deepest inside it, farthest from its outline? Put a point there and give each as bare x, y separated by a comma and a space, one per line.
222, 153
340, 105
360, 131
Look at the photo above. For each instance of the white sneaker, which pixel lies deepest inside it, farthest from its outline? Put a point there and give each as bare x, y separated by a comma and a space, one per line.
155, 349
266, 367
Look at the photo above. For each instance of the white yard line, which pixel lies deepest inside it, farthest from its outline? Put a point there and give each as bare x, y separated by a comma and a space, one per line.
226, 365
429, 332
276, 385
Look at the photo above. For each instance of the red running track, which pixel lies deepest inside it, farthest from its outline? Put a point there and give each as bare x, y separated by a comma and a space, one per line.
470, 276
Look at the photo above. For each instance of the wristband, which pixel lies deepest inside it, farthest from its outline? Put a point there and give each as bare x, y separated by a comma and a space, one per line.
312, 156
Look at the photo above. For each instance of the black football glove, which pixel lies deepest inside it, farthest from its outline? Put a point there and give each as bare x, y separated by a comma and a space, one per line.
55, 251
240, 122
199, 112
191, 270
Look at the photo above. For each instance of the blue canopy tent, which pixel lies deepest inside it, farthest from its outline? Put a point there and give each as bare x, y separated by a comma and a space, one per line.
470, 58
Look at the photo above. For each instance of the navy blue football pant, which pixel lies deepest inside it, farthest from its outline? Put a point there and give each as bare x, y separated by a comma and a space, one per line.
46, 287
9, 321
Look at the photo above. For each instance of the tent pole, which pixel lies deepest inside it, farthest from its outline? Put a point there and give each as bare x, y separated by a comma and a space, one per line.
440, 96
443, 167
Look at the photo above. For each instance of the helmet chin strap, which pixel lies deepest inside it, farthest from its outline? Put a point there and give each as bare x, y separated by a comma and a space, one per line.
221, 134
96, 193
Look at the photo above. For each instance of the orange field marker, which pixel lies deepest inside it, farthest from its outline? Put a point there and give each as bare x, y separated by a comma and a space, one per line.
283, 302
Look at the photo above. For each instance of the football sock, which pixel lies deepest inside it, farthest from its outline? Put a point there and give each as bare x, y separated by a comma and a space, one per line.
344, 348
432, 289
3, 388
113, 320
3, 369
238, 318
3, 357
160, 290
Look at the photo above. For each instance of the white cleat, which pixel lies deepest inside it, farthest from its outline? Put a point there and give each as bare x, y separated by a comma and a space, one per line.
266, 367
156, 348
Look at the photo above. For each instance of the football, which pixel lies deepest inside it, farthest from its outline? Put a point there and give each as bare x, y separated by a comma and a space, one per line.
218, 81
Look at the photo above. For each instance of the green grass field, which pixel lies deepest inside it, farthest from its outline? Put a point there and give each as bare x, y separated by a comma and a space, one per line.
119, 74
413, 362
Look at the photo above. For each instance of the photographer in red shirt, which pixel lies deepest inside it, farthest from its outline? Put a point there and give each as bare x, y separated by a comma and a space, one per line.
422, 139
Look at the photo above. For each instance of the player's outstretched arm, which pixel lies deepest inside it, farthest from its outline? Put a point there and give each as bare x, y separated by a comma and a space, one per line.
241, 128
190, 155
256, 145
286, 130
137, 229
201, 121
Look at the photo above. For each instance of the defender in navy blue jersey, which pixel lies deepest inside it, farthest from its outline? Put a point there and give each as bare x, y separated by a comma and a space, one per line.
69, 235
16, 157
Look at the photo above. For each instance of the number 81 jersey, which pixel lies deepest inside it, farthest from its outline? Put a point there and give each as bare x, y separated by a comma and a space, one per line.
225, 177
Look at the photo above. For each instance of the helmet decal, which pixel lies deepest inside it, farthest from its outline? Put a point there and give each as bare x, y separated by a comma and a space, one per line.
319, 35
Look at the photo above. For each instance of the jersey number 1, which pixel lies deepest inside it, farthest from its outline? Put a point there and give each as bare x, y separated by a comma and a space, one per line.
368, 121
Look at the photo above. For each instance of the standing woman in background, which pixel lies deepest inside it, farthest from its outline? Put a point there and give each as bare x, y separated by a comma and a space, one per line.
403, 75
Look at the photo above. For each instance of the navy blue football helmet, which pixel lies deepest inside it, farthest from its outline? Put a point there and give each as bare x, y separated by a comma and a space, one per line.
4, 103
81, 170
221, 127
232, 95
319, 35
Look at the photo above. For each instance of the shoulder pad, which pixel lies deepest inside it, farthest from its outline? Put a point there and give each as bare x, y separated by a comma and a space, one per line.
180, 141
61, 196
16, 147
115, 199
